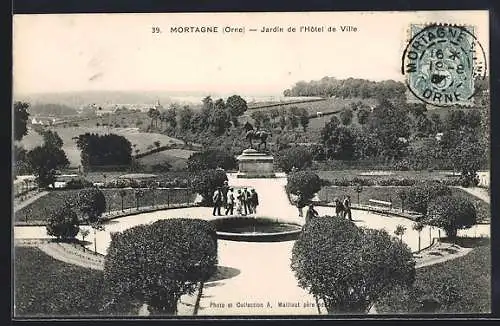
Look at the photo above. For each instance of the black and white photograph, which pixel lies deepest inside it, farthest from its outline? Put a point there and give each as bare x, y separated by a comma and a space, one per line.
251, 164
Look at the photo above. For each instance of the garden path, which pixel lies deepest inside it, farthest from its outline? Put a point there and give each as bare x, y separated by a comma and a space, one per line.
478, 192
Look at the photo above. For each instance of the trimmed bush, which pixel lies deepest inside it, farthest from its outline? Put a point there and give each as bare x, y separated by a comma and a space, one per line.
308, 183
206, 182
451, 213
298, 156
63, 223
418, 197
158, 263
79, 183
352, 267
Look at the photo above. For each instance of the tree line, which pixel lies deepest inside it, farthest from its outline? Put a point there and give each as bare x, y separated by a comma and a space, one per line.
347, 88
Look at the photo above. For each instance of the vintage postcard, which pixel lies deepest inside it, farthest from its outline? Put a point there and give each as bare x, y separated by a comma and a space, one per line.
251, 164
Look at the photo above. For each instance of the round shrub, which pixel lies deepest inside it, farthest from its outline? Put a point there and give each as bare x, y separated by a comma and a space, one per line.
158, 263
451, 213
63, 223
298, 156
206, 182
352, 267
418, 196
308, 183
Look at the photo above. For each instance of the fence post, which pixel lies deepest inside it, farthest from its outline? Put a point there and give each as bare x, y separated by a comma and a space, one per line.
168, 197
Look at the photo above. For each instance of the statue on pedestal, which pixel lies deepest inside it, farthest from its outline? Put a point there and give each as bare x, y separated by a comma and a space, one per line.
252, 134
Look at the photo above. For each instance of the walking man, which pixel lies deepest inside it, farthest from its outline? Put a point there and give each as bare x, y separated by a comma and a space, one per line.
245, 201
347, 207
230, 201
239, 202
339, 208
217, 199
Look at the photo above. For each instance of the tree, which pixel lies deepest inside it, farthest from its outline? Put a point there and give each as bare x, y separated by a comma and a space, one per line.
158, 263
339, 141
157, 144
21, 116
171, 116
63, 223
92, 203
104, 150
219, 119
400, 230
297, 156
451, 213
390, 126
437, 124
346, 116
139, 193
308, 183
292, 121
44, 161
211, 159
362, 115
353, 267
418, 226
304, 119
185, 118
421, 194
236, 106
84, 233
205, 183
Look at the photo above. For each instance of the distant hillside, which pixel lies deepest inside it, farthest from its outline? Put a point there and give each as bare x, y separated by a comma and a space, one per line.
83, 98
51, 109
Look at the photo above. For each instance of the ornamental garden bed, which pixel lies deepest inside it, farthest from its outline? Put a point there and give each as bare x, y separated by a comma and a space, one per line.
39, 209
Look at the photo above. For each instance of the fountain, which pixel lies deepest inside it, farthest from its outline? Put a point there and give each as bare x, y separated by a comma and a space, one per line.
255, 229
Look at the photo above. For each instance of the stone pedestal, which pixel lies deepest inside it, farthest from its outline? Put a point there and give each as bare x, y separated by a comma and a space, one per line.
253, 164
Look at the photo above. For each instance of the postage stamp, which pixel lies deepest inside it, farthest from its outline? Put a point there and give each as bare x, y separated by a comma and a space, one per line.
442, 62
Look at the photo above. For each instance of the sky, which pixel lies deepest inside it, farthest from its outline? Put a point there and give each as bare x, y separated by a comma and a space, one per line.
86, 52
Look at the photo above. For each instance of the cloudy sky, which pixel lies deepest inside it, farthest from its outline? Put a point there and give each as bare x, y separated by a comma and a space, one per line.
54, 53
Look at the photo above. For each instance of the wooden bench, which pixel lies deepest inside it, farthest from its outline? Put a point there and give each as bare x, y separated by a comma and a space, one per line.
381, 205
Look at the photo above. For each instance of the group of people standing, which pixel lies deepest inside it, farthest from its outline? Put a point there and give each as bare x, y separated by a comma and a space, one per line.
245, 201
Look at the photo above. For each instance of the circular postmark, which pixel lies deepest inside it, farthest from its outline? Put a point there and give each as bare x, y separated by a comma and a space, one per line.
441, 64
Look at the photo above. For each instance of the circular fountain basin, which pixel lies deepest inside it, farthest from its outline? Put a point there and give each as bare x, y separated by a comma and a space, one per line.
256, 229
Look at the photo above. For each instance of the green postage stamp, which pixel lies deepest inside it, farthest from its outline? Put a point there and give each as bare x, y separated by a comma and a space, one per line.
441, 64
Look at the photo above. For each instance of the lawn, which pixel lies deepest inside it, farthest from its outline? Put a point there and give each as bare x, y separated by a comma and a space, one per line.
389, 193
177, 158
142, 140
48, 287
42, 208
461, 285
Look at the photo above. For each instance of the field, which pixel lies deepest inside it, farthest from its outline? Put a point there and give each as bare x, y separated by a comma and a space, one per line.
41, 208
461, 285
390, 194
175, 157
142, 140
